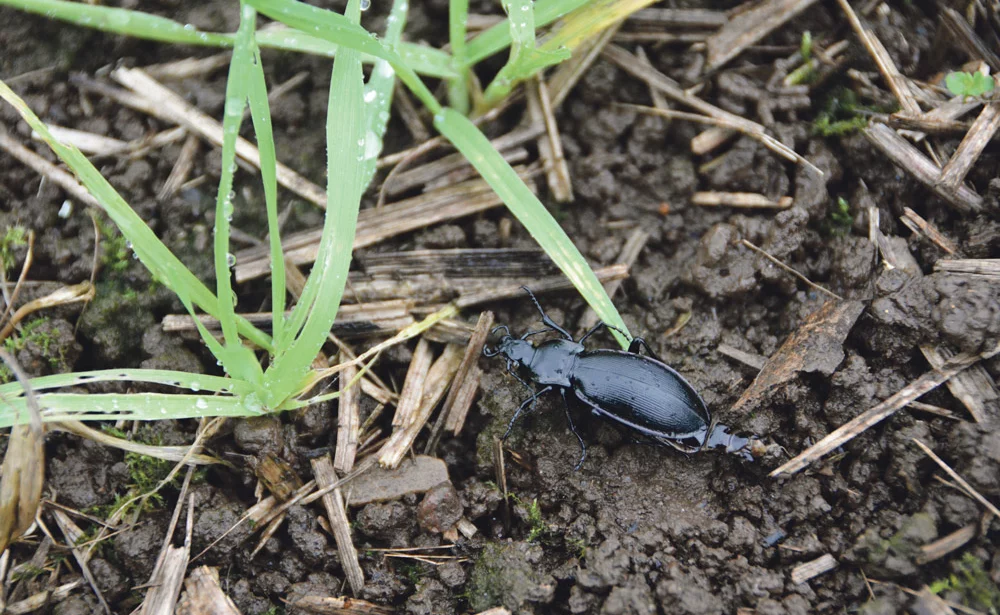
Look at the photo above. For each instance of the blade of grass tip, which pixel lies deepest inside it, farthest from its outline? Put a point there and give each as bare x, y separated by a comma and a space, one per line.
458, 88
378, 92
525, 60
498, 37
339, 30
530, 211
186, 380
260, 112
132, 407
346, 151
121, 21
146, 246
589, 20
423, 59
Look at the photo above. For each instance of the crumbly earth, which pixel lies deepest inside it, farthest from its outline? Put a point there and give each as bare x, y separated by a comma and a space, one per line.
638, 529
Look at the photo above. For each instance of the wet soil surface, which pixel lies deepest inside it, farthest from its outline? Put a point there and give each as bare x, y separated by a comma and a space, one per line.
638, 529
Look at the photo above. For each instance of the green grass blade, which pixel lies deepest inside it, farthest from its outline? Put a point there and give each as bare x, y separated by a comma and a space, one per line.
130, 407
121, 21
423, 59
525, 60
530, 211
378, 92
184, 380
339, 30
458, 88
156, 257
346, 152
498, 37
260, 112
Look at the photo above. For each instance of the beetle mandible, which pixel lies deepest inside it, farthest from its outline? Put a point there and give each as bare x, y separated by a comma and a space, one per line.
635, 391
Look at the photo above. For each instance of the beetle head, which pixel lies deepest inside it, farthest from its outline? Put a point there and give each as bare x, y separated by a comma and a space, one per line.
513, 350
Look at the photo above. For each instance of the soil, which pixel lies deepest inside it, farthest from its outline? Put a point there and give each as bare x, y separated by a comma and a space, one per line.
638, 529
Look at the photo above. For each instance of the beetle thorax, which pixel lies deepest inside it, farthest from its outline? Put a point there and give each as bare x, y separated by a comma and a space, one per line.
553, 361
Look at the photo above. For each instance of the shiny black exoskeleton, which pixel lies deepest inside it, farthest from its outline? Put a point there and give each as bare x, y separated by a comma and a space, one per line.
631, 390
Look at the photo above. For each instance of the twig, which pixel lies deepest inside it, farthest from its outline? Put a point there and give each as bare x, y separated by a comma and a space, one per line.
747, 200
348, 419
922, 168
48, 170
455, 406
168, 105
989, 267
790, 270
969, 150
750, 27
805, 571
757, 133
917, 224
958, 479
893, 78
550, 148
974, 387
859, 424
333, 502
945, 545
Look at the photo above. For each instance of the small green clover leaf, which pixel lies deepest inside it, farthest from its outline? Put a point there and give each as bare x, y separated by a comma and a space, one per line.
969, 84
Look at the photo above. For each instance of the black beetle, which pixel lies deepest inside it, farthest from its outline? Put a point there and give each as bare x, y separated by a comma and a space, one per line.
632, 390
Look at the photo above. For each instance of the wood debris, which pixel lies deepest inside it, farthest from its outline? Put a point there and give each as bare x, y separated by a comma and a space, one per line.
550, 148
746, 200
348, 417
750, 25
432, 387
859, 424
816, 346
922, 168
988, 267
974, 387
165, 104
415, 475
340, 525
377, 225
808, 570
969, 150
330, 605
947, 544
204, 596
919, 226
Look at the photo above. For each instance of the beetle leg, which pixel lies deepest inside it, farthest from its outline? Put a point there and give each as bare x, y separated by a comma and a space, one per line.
638, 342
545, 317
529, 404
572, 427
604, 325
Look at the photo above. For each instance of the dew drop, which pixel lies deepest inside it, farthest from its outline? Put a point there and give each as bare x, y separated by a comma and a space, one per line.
370, 96
366, 4
231, 261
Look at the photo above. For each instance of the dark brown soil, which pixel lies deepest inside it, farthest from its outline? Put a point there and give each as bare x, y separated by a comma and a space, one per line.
638, 529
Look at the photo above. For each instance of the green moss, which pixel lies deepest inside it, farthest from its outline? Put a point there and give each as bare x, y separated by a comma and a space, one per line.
35, 333
841, 115
502, 576
973, 584
145, 474
115, 251
537, 527
839, 220
12, 239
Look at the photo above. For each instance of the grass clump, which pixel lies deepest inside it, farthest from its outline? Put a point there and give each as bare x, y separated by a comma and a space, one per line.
972, 584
